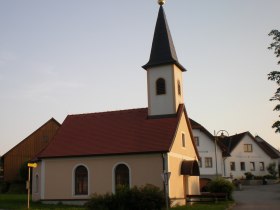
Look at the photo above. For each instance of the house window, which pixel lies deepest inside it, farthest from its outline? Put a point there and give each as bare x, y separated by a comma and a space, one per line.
179, 87
252, 166
208, 162
196, 141
36, 183
248, 148
242, 166
81, 180
232, 166
261, 166
183, 140
160, 86
200, 163
121, 176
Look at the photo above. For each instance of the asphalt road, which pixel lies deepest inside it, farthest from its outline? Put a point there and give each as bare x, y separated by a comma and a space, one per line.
260, 197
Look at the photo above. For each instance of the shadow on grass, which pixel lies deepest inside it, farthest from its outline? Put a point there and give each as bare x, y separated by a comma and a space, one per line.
19, 202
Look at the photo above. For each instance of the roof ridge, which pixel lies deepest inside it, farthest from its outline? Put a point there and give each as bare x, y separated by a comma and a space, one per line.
108, 112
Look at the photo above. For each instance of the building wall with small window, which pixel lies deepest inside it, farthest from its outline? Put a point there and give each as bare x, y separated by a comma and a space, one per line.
58, 178
247, 156
206, 149
166, 100
183, 148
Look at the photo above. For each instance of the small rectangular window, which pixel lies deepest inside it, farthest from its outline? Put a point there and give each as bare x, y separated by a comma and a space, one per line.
208, 162
248, 148
242, 166
232, 166
196, 140
252, 166
200, 163
183, 140
261, 166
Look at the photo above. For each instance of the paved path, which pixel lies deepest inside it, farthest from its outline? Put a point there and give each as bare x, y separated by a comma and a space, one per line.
260, 197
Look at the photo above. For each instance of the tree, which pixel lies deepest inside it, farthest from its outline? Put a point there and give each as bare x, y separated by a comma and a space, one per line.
275, 75
271, 168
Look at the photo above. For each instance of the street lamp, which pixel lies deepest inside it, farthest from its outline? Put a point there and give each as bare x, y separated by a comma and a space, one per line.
216, 139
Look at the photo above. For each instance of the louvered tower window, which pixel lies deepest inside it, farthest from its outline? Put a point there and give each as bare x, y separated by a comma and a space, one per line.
179, 87
160, 86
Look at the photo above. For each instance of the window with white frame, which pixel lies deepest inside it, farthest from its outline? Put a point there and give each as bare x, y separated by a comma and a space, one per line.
121, 176
248, 148
242, 166
196, 140
232, 166
208, 162
252, 166
81, 180
199, 162
261, 166
36, 183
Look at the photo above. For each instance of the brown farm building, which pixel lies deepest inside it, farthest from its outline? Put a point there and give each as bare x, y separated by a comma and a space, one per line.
27, 149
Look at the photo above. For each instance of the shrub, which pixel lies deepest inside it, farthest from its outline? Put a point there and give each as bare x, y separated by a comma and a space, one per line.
249, 175
221, 185
148, 197
271, 168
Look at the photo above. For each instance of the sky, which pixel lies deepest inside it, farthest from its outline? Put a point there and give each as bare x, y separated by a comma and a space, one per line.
60, 57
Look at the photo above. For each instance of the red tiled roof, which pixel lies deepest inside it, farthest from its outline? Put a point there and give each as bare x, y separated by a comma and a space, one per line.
116, 132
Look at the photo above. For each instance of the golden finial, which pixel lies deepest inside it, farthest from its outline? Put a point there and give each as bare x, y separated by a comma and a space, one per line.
161, 2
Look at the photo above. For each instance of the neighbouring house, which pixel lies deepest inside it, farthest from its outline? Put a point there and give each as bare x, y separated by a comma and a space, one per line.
26, 150
97, 152
248, 154
271, 151
212, 154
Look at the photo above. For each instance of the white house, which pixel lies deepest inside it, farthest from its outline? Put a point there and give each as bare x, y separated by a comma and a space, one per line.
212, 155
248, 154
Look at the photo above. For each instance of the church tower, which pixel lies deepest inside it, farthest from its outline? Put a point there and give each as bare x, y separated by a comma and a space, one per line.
164, 72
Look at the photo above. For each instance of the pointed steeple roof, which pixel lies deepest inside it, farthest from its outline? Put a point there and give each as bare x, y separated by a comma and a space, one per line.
163, 50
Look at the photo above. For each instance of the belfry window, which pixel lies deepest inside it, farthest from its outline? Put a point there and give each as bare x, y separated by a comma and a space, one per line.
160, 86
81, 180
179, 87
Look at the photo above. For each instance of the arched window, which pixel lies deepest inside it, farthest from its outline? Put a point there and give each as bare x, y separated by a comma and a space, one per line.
81, 180
179, 87
160, 86
121, 176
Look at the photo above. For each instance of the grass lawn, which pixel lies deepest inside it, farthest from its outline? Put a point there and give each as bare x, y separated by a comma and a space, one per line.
19, 202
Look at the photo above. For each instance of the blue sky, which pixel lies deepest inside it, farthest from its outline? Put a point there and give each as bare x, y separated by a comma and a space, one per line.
61, 57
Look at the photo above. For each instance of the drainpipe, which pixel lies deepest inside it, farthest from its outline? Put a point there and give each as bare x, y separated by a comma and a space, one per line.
164, 171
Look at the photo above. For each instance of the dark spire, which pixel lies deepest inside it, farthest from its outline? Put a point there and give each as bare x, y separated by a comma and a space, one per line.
163, 50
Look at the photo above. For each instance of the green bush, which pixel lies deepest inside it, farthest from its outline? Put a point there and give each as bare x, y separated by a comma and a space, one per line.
271, 168
148, 197
221, 185
249, 175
